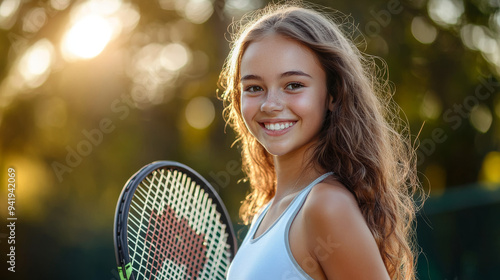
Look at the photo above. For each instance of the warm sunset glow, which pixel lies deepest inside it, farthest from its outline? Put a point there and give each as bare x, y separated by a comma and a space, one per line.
87, 38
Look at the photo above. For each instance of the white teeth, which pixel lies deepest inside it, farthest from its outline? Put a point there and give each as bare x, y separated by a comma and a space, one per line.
278, 126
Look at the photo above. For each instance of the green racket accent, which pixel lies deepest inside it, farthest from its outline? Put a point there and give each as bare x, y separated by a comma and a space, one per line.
128, 271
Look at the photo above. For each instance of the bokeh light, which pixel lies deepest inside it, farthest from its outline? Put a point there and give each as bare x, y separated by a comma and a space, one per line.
154, 67
169, 4
34, 65
59, 4
94, 24
476, 37
445, 12
34, 20
481, 118
127, 17
490, 170
104, 7
200, 112
174, 56
378, 45
8, 9
495, 21
466, 33
483, 39
423, 31
238, 7
198, 11
431, 107
87, 38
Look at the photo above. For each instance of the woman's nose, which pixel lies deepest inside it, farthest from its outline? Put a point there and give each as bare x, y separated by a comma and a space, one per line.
273, 101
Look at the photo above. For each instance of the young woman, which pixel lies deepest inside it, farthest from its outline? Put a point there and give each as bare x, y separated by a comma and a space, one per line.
331, 172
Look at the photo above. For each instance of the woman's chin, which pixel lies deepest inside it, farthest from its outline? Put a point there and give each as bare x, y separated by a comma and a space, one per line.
277, 151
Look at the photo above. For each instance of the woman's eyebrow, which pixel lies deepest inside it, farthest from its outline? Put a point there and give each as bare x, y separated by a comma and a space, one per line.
250, 77
295, 73
283, 75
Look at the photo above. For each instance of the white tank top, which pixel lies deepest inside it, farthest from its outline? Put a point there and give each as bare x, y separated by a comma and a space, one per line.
269, 256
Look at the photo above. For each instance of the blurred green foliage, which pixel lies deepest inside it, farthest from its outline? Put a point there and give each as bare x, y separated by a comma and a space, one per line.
80, 114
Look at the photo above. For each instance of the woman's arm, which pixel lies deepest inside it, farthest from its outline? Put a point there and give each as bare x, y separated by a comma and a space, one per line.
338, 237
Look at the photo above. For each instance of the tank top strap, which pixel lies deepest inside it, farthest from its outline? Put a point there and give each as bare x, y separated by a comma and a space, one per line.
315, 182
287, 214
299, 200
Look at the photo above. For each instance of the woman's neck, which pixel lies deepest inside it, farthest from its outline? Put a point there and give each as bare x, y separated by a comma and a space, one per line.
293, 173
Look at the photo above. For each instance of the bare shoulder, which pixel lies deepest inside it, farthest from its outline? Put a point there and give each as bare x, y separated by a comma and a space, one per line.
331, 200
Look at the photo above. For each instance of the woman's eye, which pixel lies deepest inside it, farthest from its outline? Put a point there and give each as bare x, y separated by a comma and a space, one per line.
253, 89
294, 86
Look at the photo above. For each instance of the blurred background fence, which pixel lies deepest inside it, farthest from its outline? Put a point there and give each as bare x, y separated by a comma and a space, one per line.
92, 90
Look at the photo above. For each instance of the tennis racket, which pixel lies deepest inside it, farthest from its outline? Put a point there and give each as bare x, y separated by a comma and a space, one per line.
171, 224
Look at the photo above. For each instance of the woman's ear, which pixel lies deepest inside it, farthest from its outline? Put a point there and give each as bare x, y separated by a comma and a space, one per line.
330, 102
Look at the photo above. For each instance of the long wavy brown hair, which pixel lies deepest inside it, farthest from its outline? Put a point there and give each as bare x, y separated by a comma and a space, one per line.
363, 140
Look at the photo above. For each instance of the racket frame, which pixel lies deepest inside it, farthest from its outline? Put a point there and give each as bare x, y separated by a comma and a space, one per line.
120, 235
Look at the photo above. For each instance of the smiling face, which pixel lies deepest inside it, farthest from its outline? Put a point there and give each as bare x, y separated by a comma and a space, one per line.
283, 94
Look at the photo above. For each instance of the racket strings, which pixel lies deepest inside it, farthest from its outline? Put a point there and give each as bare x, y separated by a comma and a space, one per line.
175, 230
180, 244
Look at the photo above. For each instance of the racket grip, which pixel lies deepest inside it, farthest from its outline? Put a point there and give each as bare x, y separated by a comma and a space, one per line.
126, 272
